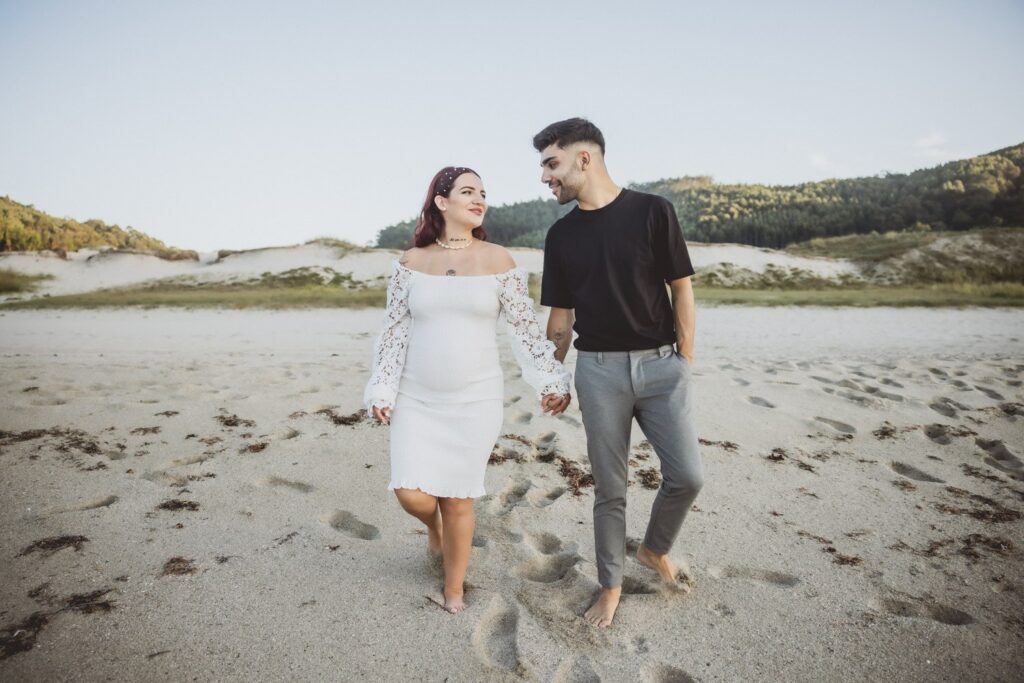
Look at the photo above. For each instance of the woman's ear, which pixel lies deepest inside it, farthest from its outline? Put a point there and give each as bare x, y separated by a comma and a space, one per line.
440, 203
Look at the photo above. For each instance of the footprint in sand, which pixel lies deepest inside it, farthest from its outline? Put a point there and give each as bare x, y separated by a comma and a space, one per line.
576, 669
521, 417
947, 406
93, 503
1001, 458
923, 609
494, 638
740, 382
939, 433
545, 443
754, 574
912, 472
283, 434
275, 481
511, 496
548, 568
545, 543
991, 393
514, 399
569, 420
542, 498
758, 401
890, 382
837, 425
853, 396
347, 523
162, 474
875, 391
670, 674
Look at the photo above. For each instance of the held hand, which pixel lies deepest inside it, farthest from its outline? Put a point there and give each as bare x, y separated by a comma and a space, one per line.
382, 415
687, 357
555, 403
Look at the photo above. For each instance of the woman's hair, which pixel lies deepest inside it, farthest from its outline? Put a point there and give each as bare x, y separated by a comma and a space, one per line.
431, 222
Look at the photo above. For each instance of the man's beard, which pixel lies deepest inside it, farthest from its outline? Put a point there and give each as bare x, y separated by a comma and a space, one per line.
567, 193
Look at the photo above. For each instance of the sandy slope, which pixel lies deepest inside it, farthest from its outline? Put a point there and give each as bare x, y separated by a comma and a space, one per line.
860, 521
87, 270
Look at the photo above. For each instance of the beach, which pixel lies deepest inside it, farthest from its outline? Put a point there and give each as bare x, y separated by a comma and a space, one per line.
196, 494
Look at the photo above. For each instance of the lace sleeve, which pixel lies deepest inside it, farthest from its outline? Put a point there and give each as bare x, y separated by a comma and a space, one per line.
389, 349
535, 354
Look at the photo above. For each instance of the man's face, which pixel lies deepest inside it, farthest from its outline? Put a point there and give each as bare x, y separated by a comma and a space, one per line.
562, 172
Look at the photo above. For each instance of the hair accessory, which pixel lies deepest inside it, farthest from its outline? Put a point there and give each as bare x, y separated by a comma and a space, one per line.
447, 179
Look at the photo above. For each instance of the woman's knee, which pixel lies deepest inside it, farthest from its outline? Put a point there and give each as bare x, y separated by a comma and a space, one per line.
415, 501
455, 507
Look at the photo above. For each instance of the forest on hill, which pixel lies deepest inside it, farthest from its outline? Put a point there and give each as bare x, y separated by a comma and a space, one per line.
982, 191
25, 228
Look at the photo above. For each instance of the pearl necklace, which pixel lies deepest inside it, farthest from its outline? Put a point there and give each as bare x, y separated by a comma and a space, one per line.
448, 246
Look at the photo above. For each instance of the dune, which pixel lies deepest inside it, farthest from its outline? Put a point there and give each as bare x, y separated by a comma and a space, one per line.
88, 269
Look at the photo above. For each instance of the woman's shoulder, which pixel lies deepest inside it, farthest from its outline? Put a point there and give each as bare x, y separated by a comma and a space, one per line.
411, 257
498, 257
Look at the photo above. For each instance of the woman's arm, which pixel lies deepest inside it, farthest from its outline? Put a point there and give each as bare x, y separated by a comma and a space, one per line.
535, 354
390, 347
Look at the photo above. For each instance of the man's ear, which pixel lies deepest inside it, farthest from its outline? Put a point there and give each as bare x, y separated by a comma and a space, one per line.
584, 158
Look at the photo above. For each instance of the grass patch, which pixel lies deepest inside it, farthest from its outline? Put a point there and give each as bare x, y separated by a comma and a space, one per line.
932, 296
303, 290
272, 296
875, 247
12, 281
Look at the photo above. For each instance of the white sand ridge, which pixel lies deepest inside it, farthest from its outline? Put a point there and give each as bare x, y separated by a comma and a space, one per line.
90, 269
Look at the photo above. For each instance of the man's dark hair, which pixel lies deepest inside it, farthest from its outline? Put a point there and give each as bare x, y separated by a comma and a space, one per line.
564, 133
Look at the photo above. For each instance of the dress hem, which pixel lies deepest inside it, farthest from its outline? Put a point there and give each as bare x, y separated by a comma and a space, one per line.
438, 491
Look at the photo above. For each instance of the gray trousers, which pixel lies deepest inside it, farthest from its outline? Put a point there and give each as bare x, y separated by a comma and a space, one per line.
653, 386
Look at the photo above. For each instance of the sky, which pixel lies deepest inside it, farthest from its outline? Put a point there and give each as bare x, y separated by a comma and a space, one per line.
233, 125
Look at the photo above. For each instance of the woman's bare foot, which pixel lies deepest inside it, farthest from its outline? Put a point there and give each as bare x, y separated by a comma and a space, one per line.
602, 611
453, 601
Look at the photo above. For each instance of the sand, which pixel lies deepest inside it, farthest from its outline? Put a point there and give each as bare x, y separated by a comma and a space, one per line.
221, 509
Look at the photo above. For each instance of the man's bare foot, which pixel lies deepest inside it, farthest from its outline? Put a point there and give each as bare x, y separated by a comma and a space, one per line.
434, 534
667, 571
659, 563
453, 601
602, 611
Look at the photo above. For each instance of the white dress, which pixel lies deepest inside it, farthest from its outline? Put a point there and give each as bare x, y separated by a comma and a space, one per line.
436, 365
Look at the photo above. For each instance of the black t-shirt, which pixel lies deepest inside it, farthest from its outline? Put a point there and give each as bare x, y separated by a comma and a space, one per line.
611, 265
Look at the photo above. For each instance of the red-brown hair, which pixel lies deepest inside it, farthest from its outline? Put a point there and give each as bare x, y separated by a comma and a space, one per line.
431, 222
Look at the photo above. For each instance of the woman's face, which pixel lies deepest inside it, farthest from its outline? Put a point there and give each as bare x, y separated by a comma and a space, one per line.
466, 204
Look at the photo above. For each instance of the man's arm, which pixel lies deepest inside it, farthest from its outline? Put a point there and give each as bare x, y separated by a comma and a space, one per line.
560, 330
684, 314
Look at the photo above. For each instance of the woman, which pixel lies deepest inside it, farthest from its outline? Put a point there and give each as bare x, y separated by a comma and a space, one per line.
436, 377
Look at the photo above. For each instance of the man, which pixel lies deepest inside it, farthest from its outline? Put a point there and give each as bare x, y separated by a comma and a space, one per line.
606, 265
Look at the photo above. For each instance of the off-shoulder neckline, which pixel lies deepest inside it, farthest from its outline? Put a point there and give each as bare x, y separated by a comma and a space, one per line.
451, 277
